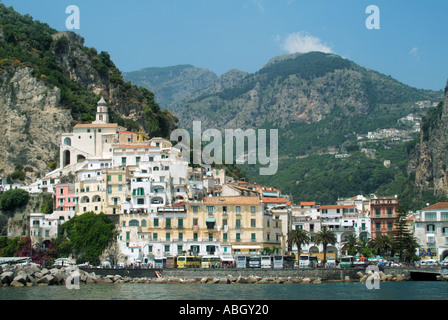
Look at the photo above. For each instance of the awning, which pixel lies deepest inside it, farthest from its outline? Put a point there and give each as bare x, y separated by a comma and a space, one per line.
245, 247
210, 220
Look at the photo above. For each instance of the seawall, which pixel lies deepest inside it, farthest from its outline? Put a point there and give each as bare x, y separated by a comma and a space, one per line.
333, 274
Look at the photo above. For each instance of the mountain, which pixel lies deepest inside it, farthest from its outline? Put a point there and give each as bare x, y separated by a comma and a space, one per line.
316, 100
320, 103
429, 160
49, 81
170, 84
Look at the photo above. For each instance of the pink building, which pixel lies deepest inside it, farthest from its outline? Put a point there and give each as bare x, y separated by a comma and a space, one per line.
64, 197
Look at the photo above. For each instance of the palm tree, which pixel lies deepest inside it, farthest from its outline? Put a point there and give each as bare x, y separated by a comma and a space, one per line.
325, 237
298, 237
382, 243
351, 244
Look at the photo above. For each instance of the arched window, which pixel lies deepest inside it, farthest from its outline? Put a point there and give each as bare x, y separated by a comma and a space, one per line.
68, 141
133, 223
143, 223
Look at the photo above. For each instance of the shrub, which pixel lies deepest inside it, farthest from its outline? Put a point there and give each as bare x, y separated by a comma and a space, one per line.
13, 199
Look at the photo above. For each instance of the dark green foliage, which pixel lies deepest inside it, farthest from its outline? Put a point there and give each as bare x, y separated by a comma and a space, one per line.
47, 204
307, 66
86, 236
28, 43
13, 199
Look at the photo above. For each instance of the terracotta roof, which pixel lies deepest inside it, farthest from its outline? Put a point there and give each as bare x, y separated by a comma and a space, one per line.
439, 205
307, 203
233, 200
273, 200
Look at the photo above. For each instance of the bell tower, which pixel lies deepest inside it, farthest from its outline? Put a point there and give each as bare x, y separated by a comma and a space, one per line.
102, 115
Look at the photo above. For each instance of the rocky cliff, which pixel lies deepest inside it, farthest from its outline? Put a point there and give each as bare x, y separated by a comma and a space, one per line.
31, 119
49, 81
429, 160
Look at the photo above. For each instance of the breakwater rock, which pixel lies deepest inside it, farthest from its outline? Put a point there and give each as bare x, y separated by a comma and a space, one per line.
34, 275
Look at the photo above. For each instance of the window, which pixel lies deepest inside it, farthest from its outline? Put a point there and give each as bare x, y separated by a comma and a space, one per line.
389, 213
180, 223
378, 227
224, 209
252, 209
224, 237
253, 223
156, 222
181, 236
389, 226
377, 212
444, 216
168, 223
210, 210
430, 216
195, 236
238, 237
154, 236
133, 223
238, 223
195, 209
120, 177
167, 236
430, 228
238, 209
253, 237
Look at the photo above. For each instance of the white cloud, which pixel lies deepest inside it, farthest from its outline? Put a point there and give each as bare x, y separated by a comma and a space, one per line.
415, 53
304, 42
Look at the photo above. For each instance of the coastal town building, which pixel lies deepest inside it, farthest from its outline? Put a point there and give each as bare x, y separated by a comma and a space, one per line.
383, 213
431, 230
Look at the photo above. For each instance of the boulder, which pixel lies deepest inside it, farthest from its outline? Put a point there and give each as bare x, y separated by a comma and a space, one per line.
20, 278
17, 284
306, 280
252, 279
48, 279
7, 277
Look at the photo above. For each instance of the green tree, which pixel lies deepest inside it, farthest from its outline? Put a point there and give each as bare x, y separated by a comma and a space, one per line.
325, 237
351, 245
382, 244
298, 237
13, 199
86, 237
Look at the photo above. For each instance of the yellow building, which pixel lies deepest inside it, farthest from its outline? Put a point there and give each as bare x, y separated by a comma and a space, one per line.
215, 226
115, 190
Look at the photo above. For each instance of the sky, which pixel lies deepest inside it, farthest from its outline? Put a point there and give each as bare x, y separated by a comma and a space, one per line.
407, 40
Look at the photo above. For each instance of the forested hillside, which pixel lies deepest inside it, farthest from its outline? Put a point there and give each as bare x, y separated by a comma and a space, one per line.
50, 81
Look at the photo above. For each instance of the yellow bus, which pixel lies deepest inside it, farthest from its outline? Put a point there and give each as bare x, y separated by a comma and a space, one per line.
188, 262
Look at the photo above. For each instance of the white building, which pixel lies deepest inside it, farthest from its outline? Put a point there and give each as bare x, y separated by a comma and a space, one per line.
431, 230
43, 227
